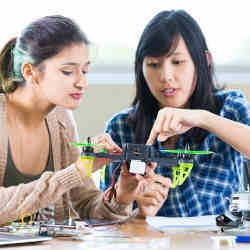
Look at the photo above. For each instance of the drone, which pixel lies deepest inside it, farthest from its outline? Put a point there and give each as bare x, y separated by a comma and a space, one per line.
139, 156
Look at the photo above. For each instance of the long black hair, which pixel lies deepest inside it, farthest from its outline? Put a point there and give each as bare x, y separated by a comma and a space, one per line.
159, 38
42, 39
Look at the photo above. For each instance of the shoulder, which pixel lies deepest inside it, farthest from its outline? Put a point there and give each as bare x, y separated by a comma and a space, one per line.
119, 126
235, 105
65, 120
3, 112
2, 101
231, 96
120, 118
64, 116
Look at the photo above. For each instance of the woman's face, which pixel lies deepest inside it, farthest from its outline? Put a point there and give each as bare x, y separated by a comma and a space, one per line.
63, 78
171, 79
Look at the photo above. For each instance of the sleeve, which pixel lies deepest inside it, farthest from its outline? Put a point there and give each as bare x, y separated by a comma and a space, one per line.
121, 132
237, 108
26, 199
68, 133
113, 130
87, 200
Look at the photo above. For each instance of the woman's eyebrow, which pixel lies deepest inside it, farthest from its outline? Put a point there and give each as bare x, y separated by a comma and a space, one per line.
75, 64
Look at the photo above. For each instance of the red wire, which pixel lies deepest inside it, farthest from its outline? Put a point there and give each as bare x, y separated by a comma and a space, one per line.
110, 192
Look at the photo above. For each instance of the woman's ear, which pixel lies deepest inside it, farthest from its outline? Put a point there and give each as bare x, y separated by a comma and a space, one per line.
209, 57
28, 72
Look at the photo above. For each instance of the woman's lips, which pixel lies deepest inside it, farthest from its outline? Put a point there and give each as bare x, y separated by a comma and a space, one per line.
76, 96
169, 92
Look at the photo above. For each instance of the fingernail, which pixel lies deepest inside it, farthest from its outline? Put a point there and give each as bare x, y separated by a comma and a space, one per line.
170, 183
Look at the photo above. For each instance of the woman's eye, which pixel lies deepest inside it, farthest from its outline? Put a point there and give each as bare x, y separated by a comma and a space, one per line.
178, 61
154, 65
66, 72
84, 72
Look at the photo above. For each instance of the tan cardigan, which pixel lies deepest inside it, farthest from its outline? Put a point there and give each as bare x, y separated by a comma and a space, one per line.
60, 187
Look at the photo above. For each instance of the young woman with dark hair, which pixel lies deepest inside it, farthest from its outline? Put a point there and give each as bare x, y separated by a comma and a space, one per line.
43, 77
177, 104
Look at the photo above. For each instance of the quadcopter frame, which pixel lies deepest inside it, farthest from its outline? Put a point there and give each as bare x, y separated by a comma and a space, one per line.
137, 156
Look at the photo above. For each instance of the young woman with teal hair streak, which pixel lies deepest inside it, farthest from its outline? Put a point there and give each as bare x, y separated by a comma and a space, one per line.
43, 77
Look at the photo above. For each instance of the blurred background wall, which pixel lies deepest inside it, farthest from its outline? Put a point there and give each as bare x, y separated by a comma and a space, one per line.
101, 101
114, 29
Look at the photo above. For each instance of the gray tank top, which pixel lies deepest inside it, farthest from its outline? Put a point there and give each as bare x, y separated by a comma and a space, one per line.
14, 177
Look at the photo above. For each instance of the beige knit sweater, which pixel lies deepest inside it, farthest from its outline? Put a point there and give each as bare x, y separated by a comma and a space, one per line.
61, 187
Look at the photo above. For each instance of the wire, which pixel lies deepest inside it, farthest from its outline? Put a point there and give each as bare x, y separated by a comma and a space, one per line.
110, 192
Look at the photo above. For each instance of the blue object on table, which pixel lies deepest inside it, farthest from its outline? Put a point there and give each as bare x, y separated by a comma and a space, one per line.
243, 238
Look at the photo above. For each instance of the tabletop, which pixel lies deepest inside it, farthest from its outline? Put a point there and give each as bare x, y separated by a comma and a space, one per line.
136, 234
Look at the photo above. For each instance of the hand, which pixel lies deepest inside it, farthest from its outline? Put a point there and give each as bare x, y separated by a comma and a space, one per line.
174, 121
109, 145
129, 187
153, 196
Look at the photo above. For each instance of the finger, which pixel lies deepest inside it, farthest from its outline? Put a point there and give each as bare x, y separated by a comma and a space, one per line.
163, 136
152, 136
172, 118
164, 129
107, 142
154, 194
110, 144
148, 201
161, 190
152, 177
151, 165
165, 181
175, 124
137, 178
140, 178
149, 172
156, 128
125, 168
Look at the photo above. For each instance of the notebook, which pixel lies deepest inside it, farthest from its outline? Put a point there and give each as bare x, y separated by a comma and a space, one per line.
10, 239
196, 223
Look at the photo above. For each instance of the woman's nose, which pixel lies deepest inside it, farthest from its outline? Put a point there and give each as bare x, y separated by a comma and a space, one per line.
81, 82
166, 74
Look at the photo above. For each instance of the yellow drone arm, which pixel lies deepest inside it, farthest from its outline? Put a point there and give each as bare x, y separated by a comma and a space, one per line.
181, 173
87, 162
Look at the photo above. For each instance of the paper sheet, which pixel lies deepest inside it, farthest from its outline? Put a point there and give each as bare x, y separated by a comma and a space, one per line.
198, 223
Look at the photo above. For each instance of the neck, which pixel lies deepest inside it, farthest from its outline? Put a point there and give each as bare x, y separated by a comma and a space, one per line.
26, 107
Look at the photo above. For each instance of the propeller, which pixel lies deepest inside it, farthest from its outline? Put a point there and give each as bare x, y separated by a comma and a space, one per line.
85, 144
190, 152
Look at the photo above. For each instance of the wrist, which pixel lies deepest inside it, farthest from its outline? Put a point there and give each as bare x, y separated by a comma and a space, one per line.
141, 214
120, 208
205, 118
81, 170
121, 199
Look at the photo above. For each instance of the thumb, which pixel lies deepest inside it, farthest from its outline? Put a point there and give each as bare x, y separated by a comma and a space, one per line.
125, 170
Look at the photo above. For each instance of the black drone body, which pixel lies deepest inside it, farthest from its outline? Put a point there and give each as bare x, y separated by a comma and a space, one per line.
137, 155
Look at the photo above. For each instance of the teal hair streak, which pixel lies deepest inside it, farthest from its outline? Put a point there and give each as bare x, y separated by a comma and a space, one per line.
19, 57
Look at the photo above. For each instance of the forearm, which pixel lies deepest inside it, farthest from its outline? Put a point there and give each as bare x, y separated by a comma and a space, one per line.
89, 203
26, 199
234, 133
